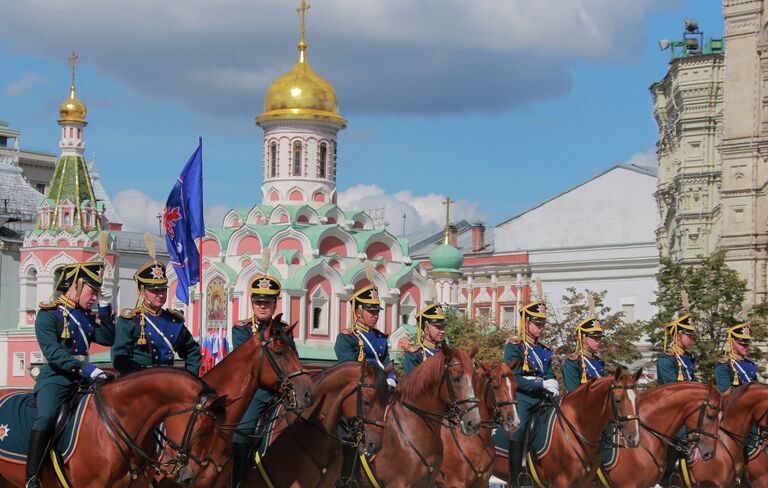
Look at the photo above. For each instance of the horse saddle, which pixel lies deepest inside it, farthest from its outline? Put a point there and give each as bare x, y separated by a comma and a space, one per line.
18, 411
538, 431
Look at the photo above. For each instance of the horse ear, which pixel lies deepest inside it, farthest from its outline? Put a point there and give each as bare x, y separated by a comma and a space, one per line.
390, 367
712, 390
514, 364
638, 374
475, 348
447, 351
617, 374
289, 330
219, 402
277, 320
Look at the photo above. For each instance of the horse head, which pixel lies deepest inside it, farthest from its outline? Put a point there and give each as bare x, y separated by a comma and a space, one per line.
500, 393
283, 372
367, 405
703, 423
623, 395
456, 389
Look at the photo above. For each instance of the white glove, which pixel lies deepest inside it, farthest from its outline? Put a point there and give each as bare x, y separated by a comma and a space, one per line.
391, 382
552, 386
105, 297
99, 374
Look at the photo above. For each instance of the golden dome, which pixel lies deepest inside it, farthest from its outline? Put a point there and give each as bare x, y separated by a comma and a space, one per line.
301, 93
72, 109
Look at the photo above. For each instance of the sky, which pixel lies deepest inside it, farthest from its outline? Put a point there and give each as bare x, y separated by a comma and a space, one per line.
499, 104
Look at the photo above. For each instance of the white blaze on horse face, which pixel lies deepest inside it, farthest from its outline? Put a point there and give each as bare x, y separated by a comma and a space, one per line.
633, 400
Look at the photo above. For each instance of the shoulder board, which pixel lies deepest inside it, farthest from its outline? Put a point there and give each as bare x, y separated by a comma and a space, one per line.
177, 314
513, 340
241, 323
348, 331
48, 305
669, 354
129, 313
573, 357
723, 361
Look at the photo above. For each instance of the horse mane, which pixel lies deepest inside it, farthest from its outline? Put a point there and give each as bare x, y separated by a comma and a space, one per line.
734, 395
129, 379
426, 374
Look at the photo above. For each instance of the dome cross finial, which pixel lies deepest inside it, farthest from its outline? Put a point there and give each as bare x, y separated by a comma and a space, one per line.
72, 58
302, 42
447, 204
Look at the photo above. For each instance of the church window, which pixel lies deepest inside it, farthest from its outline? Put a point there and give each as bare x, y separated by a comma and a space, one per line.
317, 315
71, 132
323, 159
297, 158
273, 160
320, 308
18, 363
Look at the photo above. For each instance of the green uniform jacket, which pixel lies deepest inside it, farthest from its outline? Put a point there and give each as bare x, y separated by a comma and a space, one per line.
128, 356
666, 369
529, 391
61, 367
571, 374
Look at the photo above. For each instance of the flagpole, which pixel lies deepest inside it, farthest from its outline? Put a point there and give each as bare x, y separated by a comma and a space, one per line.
200, 300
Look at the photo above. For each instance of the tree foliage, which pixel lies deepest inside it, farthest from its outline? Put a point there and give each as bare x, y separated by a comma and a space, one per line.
619, 342
716, 294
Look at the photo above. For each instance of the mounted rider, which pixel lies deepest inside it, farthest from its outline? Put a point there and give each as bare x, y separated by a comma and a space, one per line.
535, 379
149, 335
265, 290
362, 341
65, 329
584, 364
430, 333
676, 362
735, 368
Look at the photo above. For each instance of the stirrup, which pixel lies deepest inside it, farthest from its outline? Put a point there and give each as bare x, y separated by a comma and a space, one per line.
33, 482
346, 483
524, 480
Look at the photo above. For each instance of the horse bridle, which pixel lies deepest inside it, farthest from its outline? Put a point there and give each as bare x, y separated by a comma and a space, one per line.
496, 406
118, 434
621, 420
288, 397
454, 413
359, 421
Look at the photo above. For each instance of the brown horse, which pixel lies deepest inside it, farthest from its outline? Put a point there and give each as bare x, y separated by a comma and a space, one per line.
665, 409
468, 460
743, 407
437, 390
264, 361
308, 452
757, 466
119, 416
574, 450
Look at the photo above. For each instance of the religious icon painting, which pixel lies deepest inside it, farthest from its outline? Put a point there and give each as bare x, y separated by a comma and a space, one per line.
217, 303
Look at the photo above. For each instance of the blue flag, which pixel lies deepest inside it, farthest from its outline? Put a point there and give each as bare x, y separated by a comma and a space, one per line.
183, 223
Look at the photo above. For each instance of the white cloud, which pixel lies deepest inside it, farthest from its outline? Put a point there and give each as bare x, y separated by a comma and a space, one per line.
645, 159
22, 86
397, 56
138, 211
422, 212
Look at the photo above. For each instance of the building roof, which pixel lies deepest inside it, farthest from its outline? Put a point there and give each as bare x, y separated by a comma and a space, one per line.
101, 194
19, 200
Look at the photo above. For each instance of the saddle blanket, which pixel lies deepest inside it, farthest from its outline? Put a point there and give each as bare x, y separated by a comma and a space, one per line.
538, 443
17, 414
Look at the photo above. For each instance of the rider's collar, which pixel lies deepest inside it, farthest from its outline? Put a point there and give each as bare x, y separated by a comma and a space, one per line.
67, 302
429, 344
737, 357
530, 340
588, 354
361, 327
147, 310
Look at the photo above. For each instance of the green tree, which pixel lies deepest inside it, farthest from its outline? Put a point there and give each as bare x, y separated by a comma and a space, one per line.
620, 336
716, 294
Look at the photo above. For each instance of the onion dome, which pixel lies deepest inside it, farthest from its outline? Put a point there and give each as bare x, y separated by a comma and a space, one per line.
446, 258
301, 93
72, 109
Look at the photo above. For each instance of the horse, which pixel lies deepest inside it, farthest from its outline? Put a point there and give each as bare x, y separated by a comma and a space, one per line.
743, 407
665, 409
573, 455
308, 452
264, 361
437, 390
757, 466
468, 461
118, 416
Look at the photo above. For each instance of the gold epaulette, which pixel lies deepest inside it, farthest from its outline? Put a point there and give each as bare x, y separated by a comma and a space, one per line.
348, 330
48, 305
129, 313
723, 360
178, 314
514, 340
241, 323
574, 357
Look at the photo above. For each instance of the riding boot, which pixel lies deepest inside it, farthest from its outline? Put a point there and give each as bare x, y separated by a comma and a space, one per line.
672, 457
515, 463
349, 456
38, 445
241, 465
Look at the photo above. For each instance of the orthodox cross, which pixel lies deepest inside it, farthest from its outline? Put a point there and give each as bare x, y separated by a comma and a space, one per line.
72, 58
302, 9
447, 204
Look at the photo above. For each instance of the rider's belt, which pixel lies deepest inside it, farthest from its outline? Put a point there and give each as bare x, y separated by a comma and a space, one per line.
534, 378
79, 357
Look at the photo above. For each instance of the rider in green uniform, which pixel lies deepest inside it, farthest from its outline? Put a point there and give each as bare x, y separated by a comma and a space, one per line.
430, 333
676, 364
535, 379
584, 364
149, 335
65, 330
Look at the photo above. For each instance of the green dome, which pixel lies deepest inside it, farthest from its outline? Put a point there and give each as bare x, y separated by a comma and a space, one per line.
446, 258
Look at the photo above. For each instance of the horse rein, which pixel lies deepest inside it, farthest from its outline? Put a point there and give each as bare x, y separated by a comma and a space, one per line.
283, 379
118, 434
686, 446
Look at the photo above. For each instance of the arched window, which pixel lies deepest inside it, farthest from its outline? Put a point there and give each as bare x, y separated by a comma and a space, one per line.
297, 158
273, 160
320, 308
323, 159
